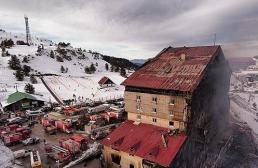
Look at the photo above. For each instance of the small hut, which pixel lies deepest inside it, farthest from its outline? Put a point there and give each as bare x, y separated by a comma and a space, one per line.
106, 82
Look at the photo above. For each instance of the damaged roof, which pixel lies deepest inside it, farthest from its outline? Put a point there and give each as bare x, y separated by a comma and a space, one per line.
179, 69
136, 141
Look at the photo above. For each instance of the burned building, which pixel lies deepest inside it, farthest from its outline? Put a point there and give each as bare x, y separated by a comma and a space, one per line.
172, 102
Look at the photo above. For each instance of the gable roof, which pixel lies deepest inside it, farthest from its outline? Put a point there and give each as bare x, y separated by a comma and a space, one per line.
168, 71
17, 96
103, 80
145, 141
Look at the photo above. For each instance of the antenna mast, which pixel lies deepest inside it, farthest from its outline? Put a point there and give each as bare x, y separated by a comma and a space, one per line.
28, 38
214, 41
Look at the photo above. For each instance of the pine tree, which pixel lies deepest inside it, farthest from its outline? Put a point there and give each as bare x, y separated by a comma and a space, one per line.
112, 68
19, 75
26, 70
62, 69
106, 66
117, 69
33, 80
87, 70
92, 68
59, 59
52, 54
29, 88
25, 59
3, 51
14, 63
122, 72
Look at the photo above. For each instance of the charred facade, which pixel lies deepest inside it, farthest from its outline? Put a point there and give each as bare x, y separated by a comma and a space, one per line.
183, 91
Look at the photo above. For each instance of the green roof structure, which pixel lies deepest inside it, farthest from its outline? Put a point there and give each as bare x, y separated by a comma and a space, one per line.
17, 96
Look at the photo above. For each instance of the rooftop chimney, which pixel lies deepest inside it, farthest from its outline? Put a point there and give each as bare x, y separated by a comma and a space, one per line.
182, 56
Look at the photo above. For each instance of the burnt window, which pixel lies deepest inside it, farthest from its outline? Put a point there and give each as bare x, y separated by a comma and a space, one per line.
172, 102
154, 99
154, 110
171, 123
116, 158
131, 166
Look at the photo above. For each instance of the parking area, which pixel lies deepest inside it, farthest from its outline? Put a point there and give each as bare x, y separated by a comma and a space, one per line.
38, 131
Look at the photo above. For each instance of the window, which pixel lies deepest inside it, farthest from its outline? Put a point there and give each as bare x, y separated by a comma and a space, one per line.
171, 123
131, 166
115, 158
138, 107
154, 119
138, 117
171, 113
154, 99
154, 110
172, 102
138, 97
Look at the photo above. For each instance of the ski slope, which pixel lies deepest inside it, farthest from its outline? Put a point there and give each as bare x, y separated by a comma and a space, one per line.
65, 85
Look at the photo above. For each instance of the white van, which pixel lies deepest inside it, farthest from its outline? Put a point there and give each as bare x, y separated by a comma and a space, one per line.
33, 113
21, 153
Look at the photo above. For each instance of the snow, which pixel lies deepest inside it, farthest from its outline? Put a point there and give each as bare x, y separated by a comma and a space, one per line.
243, 96
85, 87
6, 156
65, 85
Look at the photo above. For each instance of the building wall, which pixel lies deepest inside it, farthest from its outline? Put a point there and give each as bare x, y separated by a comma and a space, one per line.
126, 159
141, 107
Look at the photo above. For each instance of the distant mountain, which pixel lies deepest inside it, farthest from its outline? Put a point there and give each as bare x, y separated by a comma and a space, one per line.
120, 62
237, 63
138, 62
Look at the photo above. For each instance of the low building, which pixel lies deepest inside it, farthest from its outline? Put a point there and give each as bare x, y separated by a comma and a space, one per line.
167, 100
21, 101
106, 82
141, 145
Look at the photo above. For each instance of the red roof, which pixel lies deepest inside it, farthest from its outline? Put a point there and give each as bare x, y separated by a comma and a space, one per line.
103, 80
78, 138
168, 71
145, 141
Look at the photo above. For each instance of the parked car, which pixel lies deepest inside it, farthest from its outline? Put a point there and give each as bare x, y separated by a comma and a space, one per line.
21, 153
30, 141
17, 120
3, 121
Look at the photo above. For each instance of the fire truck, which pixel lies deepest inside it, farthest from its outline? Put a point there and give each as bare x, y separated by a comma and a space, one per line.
14, 138
58, 153
74, 144
35, 160
63, 126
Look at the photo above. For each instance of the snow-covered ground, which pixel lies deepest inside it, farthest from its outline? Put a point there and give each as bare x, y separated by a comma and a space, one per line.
244, 98
65, 85
6, 156
85, 87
